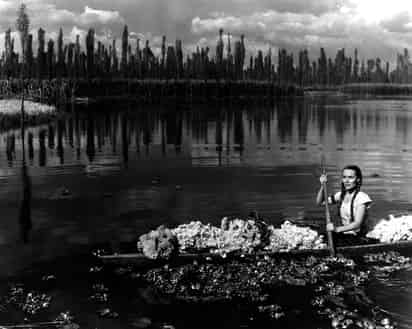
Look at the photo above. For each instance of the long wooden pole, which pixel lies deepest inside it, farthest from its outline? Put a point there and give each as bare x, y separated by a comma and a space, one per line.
327, 213
33, 325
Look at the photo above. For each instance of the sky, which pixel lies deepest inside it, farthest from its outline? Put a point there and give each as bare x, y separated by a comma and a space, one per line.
377, 28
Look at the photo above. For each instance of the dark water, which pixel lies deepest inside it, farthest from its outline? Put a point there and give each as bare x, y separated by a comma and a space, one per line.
98, 176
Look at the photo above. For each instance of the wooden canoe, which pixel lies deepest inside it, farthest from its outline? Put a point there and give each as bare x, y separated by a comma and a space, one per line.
138, 259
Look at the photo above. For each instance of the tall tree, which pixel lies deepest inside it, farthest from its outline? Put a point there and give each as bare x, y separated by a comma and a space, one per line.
238, 60
322, 68
8, 53
138, 59
90, 53
22, 25
41, 59
162, 63
29, 55
77, 58
51, 59
125, 45
60, 57
70, 59
356, 66
179, 59
115, 60
219, 54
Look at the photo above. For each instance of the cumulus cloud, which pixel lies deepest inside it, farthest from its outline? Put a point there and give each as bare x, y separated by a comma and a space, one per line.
92, 16
269, 24
51, 17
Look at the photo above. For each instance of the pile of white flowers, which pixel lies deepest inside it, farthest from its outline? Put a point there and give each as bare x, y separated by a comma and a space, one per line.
233, 235
236, 235
291, 237
196, 236
239, 234
393, 229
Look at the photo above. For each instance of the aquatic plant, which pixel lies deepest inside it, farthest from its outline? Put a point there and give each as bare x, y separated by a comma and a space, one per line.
333, 287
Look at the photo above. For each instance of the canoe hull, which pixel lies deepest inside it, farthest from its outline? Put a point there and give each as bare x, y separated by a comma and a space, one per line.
404, 247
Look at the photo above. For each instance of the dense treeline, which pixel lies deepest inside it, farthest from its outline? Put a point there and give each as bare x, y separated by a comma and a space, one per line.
56, 60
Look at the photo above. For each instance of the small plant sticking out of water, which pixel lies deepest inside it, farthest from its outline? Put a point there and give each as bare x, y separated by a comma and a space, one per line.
31, 302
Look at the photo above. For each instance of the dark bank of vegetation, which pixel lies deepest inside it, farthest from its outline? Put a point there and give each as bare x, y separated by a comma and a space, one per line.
146, 91
384, 89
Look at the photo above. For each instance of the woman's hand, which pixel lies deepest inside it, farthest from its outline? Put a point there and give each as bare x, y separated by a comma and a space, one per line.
330, 227
320, 197
323, 179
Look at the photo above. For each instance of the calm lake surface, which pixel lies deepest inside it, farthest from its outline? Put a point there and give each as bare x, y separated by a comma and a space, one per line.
105, 174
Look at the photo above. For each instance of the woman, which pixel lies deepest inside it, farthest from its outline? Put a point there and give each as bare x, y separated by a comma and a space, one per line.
353, 205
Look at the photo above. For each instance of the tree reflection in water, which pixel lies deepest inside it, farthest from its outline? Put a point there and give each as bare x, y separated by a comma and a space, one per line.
25, 221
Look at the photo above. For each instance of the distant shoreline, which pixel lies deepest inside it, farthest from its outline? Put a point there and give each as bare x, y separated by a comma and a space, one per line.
59, 91
364, 88
152, 91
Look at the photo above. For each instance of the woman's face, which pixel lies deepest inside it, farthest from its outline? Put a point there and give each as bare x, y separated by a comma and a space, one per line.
349, 179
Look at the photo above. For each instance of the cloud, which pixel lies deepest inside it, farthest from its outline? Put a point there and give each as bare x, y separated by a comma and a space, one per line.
272, 21
51, 17
6, 5
57, 17
173, 17
92, 16
401, 22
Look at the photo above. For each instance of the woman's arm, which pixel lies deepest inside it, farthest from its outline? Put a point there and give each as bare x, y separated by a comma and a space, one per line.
320, 196
359, 216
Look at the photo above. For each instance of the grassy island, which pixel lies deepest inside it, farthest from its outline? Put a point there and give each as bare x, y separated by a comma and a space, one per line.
34, 113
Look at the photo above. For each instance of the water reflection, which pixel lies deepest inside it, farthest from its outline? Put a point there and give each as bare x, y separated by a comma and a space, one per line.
10, 148
50, 136
374, 134
125, 140
25, 220
31, 147
90, 133
60, 131
292, 122
42, 147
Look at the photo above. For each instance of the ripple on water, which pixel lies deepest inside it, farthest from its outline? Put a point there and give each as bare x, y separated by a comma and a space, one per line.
394, 294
